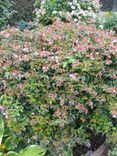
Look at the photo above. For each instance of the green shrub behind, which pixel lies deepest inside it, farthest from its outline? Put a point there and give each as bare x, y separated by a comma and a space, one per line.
110, 22
23, 10
5, 12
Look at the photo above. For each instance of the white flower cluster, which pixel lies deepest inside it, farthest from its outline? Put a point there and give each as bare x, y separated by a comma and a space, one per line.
78, 13
44, 10
74, 8
40, 11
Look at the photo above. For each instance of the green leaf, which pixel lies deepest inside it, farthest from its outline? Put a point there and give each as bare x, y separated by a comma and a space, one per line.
72, 59
10, 143
66, 151
1, 129
7, 132
11, 153
65, 64
33, 150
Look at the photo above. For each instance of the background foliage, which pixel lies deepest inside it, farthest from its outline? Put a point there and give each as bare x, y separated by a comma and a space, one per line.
13, 11
5, 12
110, 21
23, 10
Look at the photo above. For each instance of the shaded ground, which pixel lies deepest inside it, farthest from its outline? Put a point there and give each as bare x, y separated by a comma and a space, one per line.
96, 141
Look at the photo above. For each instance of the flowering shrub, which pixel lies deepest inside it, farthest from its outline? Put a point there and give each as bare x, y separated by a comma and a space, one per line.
47, 10
58, 84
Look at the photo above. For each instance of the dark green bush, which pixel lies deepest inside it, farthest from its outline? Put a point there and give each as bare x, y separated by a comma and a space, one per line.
5, 12
58, 84
23, 25
23, 10
110, 22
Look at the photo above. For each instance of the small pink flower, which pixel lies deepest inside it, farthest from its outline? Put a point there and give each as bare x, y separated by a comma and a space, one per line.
108, 62
1, 108
15, 72
90, 103
15, 56
51, 59
44, 53
6, 115
113, 89
35, 53
91, 56
25, 49
6, 35
26, 57
57, 60
45, 68
5, 83
82, 108
16, 48
114, 116
86, 111
73, 76
50, 42
21, 87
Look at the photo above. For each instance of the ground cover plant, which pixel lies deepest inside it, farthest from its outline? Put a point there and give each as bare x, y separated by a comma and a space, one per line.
58, 85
